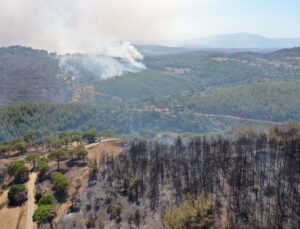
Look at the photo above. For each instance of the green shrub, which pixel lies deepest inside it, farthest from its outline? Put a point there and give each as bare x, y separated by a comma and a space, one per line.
60, 182
47, 200
12, 168
17, 194
19, 170
195, 213
22, 174
43, 214
42, 167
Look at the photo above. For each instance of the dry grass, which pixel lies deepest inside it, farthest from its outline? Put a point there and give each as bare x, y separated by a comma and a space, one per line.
111, 147
12, 217
16, 217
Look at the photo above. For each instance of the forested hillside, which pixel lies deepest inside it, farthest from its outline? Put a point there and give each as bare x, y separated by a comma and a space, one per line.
17, 119
195, 91
149, 83
29, 75
219, 69
220, 110
201, 70
276, 101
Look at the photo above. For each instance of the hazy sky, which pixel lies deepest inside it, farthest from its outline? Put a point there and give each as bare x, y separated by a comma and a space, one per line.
76, 25
271, 18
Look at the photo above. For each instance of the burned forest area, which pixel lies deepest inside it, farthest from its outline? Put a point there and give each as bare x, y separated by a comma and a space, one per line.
250, 180
162, 114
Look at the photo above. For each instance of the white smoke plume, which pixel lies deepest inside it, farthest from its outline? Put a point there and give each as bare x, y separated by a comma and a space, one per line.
69, 27
81, 67
116, 59
95, 27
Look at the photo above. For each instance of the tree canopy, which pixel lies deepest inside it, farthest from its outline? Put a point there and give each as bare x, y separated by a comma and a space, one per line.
33, 158
195, 213
44, 213
61, 183
58, 155
90, 135
17, 194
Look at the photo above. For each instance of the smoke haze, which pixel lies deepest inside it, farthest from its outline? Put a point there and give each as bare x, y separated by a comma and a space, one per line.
72, 26
90, 27
103, 27
86, 26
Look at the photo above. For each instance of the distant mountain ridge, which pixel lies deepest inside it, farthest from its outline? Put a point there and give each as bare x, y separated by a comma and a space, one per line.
156, 50
242, 40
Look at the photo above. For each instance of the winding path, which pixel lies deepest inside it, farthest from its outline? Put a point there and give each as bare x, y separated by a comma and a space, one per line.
31, 205
88, 146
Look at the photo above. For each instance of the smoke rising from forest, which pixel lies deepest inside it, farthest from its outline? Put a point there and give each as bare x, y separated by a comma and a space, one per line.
67, 28
98, 28
82, 67
120, 58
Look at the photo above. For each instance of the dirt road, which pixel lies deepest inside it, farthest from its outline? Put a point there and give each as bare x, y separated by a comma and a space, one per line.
237, 118
94, 144
169, 113
31, 206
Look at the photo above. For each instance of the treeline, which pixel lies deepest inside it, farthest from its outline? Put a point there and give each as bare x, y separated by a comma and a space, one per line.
43, 141
17, 119
253, 178
121, 118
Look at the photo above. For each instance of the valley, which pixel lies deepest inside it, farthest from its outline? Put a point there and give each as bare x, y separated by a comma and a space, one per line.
200, 137
201, 91
154, 114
